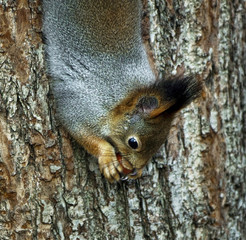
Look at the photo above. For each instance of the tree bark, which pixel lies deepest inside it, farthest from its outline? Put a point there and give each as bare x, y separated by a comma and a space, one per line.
194, 188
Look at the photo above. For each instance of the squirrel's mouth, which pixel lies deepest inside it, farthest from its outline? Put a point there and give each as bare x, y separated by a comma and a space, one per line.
126, 165
127, 168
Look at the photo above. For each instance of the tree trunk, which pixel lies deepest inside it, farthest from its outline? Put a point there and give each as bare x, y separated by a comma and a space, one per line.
194, 188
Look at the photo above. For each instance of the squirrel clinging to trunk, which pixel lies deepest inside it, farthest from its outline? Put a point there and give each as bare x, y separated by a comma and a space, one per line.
107, 96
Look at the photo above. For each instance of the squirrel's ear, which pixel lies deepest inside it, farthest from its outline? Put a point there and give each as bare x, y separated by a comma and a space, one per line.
147, 104
151, 106
178, 92
169, 96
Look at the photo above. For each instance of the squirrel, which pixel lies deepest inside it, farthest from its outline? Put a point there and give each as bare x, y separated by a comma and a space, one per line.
107, 95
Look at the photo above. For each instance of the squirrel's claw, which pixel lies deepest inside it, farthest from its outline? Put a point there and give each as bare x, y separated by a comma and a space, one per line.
135, 174
110, 167
124, 178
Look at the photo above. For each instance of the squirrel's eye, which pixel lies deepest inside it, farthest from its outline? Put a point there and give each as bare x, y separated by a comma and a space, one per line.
133, 143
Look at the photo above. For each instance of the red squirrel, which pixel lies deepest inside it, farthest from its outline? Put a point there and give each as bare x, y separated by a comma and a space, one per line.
107, 96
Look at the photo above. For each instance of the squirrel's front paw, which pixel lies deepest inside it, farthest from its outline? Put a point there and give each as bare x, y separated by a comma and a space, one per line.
109, 165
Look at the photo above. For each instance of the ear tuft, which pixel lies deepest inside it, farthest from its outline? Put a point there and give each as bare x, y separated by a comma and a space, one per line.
181, 91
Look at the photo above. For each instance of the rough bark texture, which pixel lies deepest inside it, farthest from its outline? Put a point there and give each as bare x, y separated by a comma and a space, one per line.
195, 188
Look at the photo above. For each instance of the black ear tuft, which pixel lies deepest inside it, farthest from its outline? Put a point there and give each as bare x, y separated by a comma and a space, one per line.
180, 90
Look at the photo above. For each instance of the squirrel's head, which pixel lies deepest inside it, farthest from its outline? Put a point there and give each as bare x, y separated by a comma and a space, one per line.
140, 123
